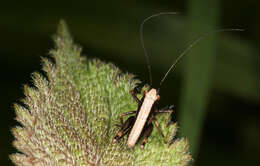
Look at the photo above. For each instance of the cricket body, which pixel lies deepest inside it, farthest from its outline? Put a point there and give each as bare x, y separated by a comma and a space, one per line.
144, 112
141, 123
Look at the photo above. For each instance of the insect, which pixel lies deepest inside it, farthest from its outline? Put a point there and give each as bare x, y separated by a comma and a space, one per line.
144, 118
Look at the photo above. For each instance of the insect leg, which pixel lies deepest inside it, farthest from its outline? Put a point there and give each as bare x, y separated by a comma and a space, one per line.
167, 110
125, 128
133, 93
138, 88
157, 125
147, 132
124, 114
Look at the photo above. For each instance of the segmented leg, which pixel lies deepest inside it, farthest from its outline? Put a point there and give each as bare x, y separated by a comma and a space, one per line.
126, 127
147, 132
167, 110
133, 93
137, 90
124, 114
157, 125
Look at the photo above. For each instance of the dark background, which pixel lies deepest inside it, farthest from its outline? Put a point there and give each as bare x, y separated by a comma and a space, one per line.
215, 88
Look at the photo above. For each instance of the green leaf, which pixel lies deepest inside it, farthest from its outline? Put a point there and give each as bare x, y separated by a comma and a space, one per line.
70, 117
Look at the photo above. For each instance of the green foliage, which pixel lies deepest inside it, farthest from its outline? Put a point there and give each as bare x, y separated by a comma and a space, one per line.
198, 72
70, 116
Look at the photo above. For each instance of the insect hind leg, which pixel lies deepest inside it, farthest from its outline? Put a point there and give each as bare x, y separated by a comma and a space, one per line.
147, 132
126, 127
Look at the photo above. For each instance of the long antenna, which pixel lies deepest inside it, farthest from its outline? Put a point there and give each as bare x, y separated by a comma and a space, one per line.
193, 43
142, 40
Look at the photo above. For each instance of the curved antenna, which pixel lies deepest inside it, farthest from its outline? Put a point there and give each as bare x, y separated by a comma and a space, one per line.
142, 40
193, 43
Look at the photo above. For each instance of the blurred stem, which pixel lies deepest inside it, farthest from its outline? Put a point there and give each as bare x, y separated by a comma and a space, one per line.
198, 71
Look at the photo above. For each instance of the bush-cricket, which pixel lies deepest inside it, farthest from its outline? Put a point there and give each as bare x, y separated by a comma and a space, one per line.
141, 123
